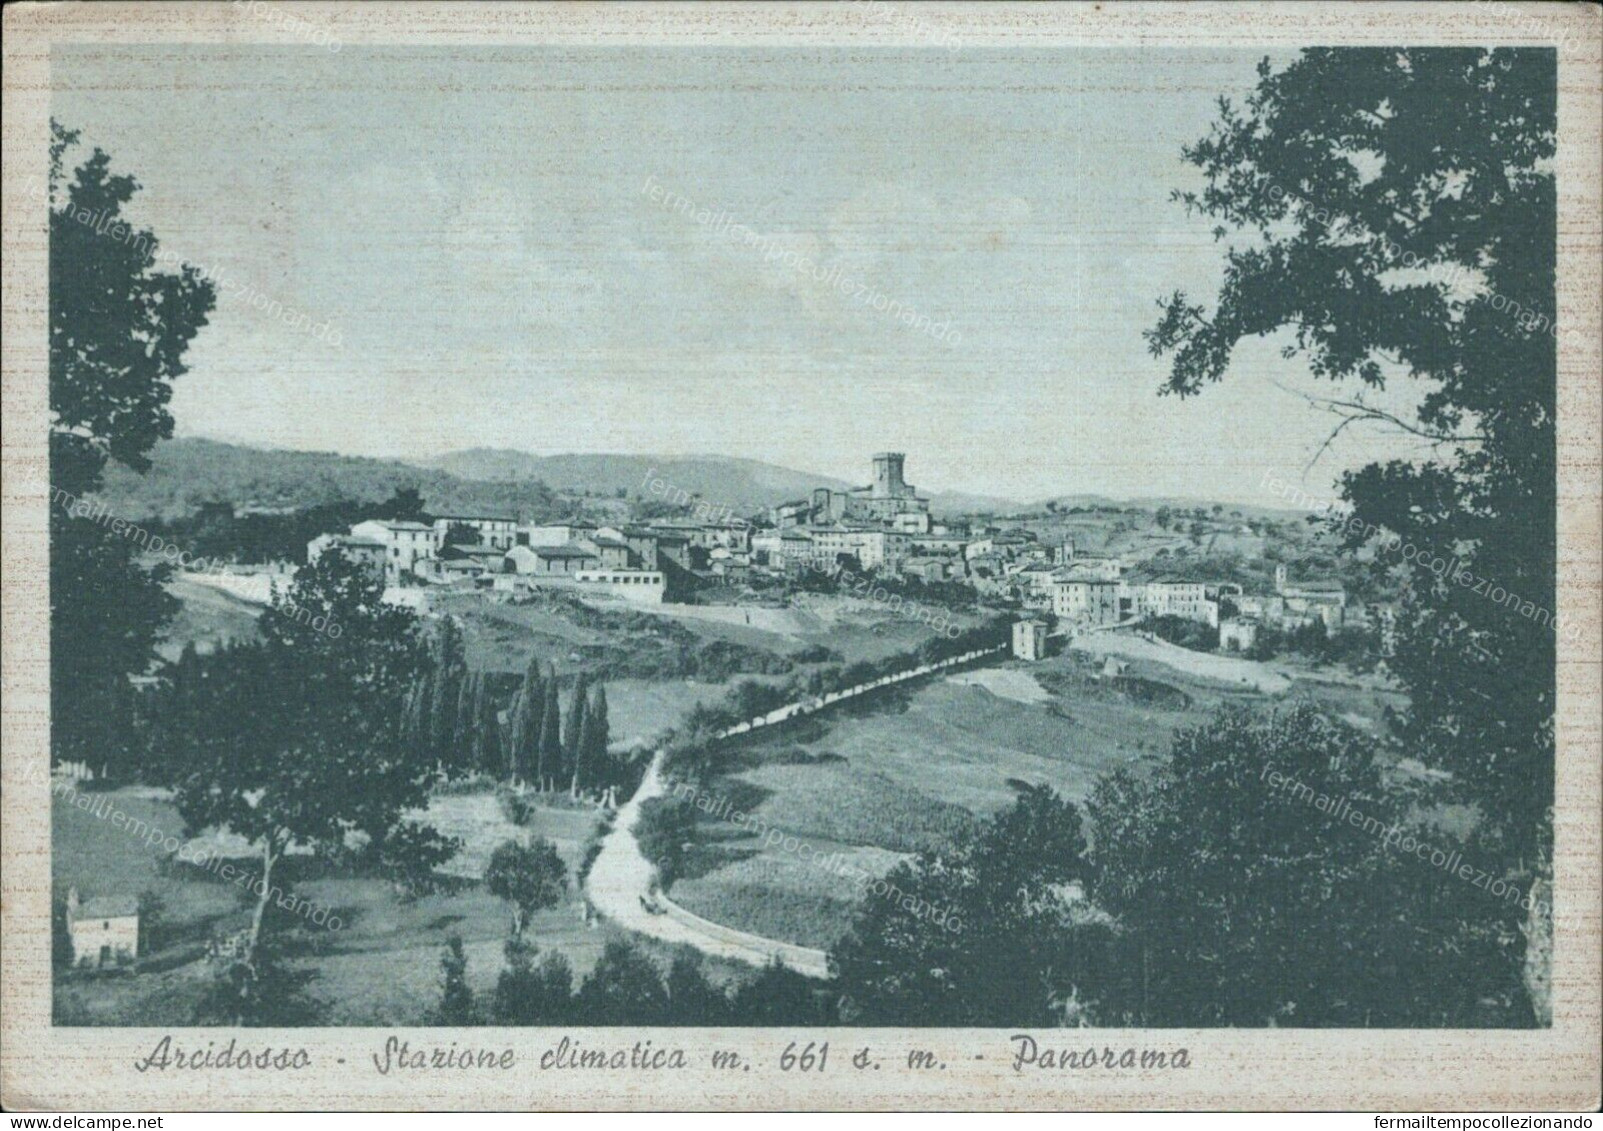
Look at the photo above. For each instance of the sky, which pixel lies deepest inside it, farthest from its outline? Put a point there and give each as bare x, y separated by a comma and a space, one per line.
429, 249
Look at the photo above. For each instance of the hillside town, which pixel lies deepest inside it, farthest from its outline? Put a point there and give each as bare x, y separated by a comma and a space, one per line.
582, 664
883, 529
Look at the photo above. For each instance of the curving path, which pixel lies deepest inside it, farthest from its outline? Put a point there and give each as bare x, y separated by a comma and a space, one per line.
620, 879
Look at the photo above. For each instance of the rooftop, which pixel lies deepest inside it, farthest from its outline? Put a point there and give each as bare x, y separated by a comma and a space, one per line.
107, 907
561, 551
475, 549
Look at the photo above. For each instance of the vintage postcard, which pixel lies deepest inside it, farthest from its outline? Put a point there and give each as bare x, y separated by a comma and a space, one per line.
814, 556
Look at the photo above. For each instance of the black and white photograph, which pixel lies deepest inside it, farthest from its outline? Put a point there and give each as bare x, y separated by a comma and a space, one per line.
660, 554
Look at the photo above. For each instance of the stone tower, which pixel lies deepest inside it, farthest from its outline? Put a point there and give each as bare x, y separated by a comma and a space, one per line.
888, 475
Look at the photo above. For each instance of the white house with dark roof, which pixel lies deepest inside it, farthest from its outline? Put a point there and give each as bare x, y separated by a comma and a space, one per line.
609, 547
1173, 597
406, 544
1029, 640
547, 560
103, 932
1088, 602
1238, 634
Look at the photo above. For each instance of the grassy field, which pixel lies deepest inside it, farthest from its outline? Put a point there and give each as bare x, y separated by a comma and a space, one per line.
639, 709
783, 895
101, 859
910, 773
1361, 702
917, 766
961, 744
866, 630
380, 967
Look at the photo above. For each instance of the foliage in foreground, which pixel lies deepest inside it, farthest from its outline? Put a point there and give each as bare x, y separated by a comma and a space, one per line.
1214, 895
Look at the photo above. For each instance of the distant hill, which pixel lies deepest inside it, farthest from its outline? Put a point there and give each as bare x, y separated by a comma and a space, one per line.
190, 471
742, 485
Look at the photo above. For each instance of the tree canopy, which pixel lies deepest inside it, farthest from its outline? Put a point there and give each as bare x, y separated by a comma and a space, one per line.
980, 935
1245, 892
119, 328
309, 747
1394, 211
531, 877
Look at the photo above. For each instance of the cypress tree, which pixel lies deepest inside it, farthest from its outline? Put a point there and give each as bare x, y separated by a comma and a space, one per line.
572, 751
549, 756
487, 757
456, 997
523, 739
450, 670
598, 736
584, 766
461, 755
415, 714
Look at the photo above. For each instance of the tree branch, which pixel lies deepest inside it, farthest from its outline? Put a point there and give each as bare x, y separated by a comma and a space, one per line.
1355, 411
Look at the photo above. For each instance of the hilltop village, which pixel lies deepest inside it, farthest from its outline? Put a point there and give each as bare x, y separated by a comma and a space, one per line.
883, 530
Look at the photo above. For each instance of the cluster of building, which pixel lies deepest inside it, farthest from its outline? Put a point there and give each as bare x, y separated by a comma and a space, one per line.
500, 553
1300, 605
885, 526
1107, 599
1288, 607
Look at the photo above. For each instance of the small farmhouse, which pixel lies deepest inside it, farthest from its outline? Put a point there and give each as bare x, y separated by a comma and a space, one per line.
104, 931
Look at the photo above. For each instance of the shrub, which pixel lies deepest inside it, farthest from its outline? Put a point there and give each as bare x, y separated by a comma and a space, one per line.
623, 989
665, 825
527, 993
515, 807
